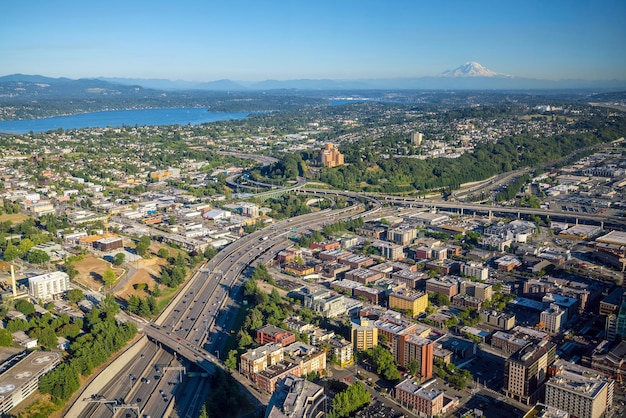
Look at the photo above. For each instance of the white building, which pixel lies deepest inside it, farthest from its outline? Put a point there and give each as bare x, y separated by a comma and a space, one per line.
553, 318
475, 270
47, 286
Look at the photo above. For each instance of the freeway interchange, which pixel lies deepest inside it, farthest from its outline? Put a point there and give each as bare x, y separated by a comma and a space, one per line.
193, 329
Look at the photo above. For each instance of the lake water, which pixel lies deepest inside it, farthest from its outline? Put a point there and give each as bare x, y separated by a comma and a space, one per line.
118, 118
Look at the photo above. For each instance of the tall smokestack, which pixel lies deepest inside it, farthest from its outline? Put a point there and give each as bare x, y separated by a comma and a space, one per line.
13, 285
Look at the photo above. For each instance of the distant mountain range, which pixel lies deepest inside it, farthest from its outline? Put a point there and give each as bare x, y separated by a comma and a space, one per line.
469, 76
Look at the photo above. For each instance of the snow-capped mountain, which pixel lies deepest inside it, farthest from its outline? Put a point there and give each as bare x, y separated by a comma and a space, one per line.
472, 69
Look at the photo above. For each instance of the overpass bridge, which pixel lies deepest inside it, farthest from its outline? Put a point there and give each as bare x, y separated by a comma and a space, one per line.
463, 208
200, 357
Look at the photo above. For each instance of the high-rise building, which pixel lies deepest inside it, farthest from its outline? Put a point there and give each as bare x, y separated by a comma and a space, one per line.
420, 350
582, 392
330, 156
526, 371
417, 138
364, 335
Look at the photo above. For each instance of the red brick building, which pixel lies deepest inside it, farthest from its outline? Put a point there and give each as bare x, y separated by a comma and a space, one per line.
273, 334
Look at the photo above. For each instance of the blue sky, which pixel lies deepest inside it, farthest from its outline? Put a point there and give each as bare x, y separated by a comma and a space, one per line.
203, 40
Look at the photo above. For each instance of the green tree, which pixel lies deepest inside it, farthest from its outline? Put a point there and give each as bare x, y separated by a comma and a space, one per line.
156, 290
144, 308
11, 253
348, 401
133, 303
47, 338
119, 259
70, 270
163, 253
209, 252
142, 245
75, 295
6, 339
24, 247
231, 360
25, 307
244, 339
37, 257
108, 277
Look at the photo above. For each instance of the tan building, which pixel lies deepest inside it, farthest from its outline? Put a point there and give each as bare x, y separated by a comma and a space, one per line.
409, 300
330, 156
482, 291
580, 391
258, 359
364, 335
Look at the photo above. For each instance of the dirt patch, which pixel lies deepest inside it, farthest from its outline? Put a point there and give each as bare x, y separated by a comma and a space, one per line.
90, 271
16, 218
145, 274
5, 267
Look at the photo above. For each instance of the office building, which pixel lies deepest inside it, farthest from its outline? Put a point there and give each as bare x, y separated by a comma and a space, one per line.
552, 319
273, 334
476, 270
296, 397
497, 319
526, 371
481, 291
326, 302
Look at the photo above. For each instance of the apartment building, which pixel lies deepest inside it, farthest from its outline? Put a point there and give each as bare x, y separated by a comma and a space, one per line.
409, 300
364, 334
48, 286
420, 350
425, 402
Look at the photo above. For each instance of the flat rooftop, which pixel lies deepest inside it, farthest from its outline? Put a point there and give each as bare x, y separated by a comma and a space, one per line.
14, 376
614, 237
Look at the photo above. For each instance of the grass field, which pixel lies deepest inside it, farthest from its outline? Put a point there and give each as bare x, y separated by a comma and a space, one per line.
16, 218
